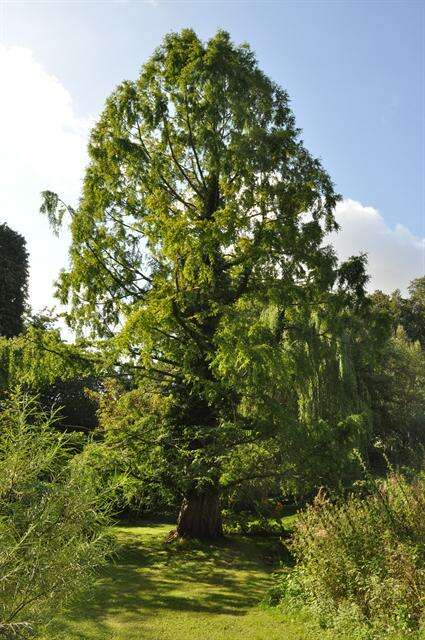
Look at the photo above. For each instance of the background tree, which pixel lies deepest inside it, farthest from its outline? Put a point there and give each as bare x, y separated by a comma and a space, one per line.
13, 281
197, 249
413, 311
396, 382
407, 312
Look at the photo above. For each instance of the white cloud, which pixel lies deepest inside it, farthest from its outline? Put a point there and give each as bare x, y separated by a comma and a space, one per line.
43, 146
395, 255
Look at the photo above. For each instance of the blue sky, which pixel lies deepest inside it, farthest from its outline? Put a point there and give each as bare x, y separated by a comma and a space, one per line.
354, 72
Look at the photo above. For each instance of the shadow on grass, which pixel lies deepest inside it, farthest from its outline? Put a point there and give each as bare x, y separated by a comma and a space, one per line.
148, 578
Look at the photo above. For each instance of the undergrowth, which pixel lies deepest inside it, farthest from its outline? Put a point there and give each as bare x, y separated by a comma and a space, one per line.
361, 561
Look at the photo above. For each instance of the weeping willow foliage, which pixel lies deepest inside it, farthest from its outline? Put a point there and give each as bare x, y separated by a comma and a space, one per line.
39, 357
333, 409
329, 388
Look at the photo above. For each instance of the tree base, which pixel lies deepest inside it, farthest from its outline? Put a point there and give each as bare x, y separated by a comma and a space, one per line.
200, 517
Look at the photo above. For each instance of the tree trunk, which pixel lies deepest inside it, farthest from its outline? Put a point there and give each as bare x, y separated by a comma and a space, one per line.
200, 516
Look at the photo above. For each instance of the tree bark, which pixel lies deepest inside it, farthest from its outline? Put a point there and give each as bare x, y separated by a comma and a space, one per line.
200, 516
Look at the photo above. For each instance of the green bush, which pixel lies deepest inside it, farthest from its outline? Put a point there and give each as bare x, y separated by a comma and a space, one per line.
52, 520
127, 452
361, 561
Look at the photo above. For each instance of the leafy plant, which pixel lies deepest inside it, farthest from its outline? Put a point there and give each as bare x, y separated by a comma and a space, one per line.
362, 559
52, 519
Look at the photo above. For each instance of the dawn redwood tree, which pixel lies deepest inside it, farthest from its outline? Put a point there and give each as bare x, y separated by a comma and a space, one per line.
197, 251
13, 281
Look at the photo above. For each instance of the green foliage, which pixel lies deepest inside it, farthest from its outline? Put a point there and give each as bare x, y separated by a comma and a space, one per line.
128, 452
39, 361
397, 392
413, 311
76, 410
39, 357
52, 519
13, 281
323, 407
408, 312
361, 561
264, 517
198, 251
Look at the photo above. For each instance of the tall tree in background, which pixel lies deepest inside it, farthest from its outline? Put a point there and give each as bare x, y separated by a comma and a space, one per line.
13, 281
408, 312
197, 248
396, 384
413, 311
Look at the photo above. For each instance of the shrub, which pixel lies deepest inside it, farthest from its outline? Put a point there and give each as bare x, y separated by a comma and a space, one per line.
52, 520
127, 452
362, 561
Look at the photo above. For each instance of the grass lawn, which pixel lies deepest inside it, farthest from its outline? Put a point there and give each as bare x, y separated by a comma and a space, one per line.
153, 591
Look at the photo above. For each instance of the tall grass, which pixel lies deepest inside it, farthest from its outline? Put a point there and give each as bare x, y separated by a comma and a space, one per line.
361, 561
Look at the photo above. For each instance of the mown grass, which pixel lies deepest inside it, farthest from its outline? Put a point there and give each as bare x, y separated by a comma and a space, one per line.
186, 591
183, 591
